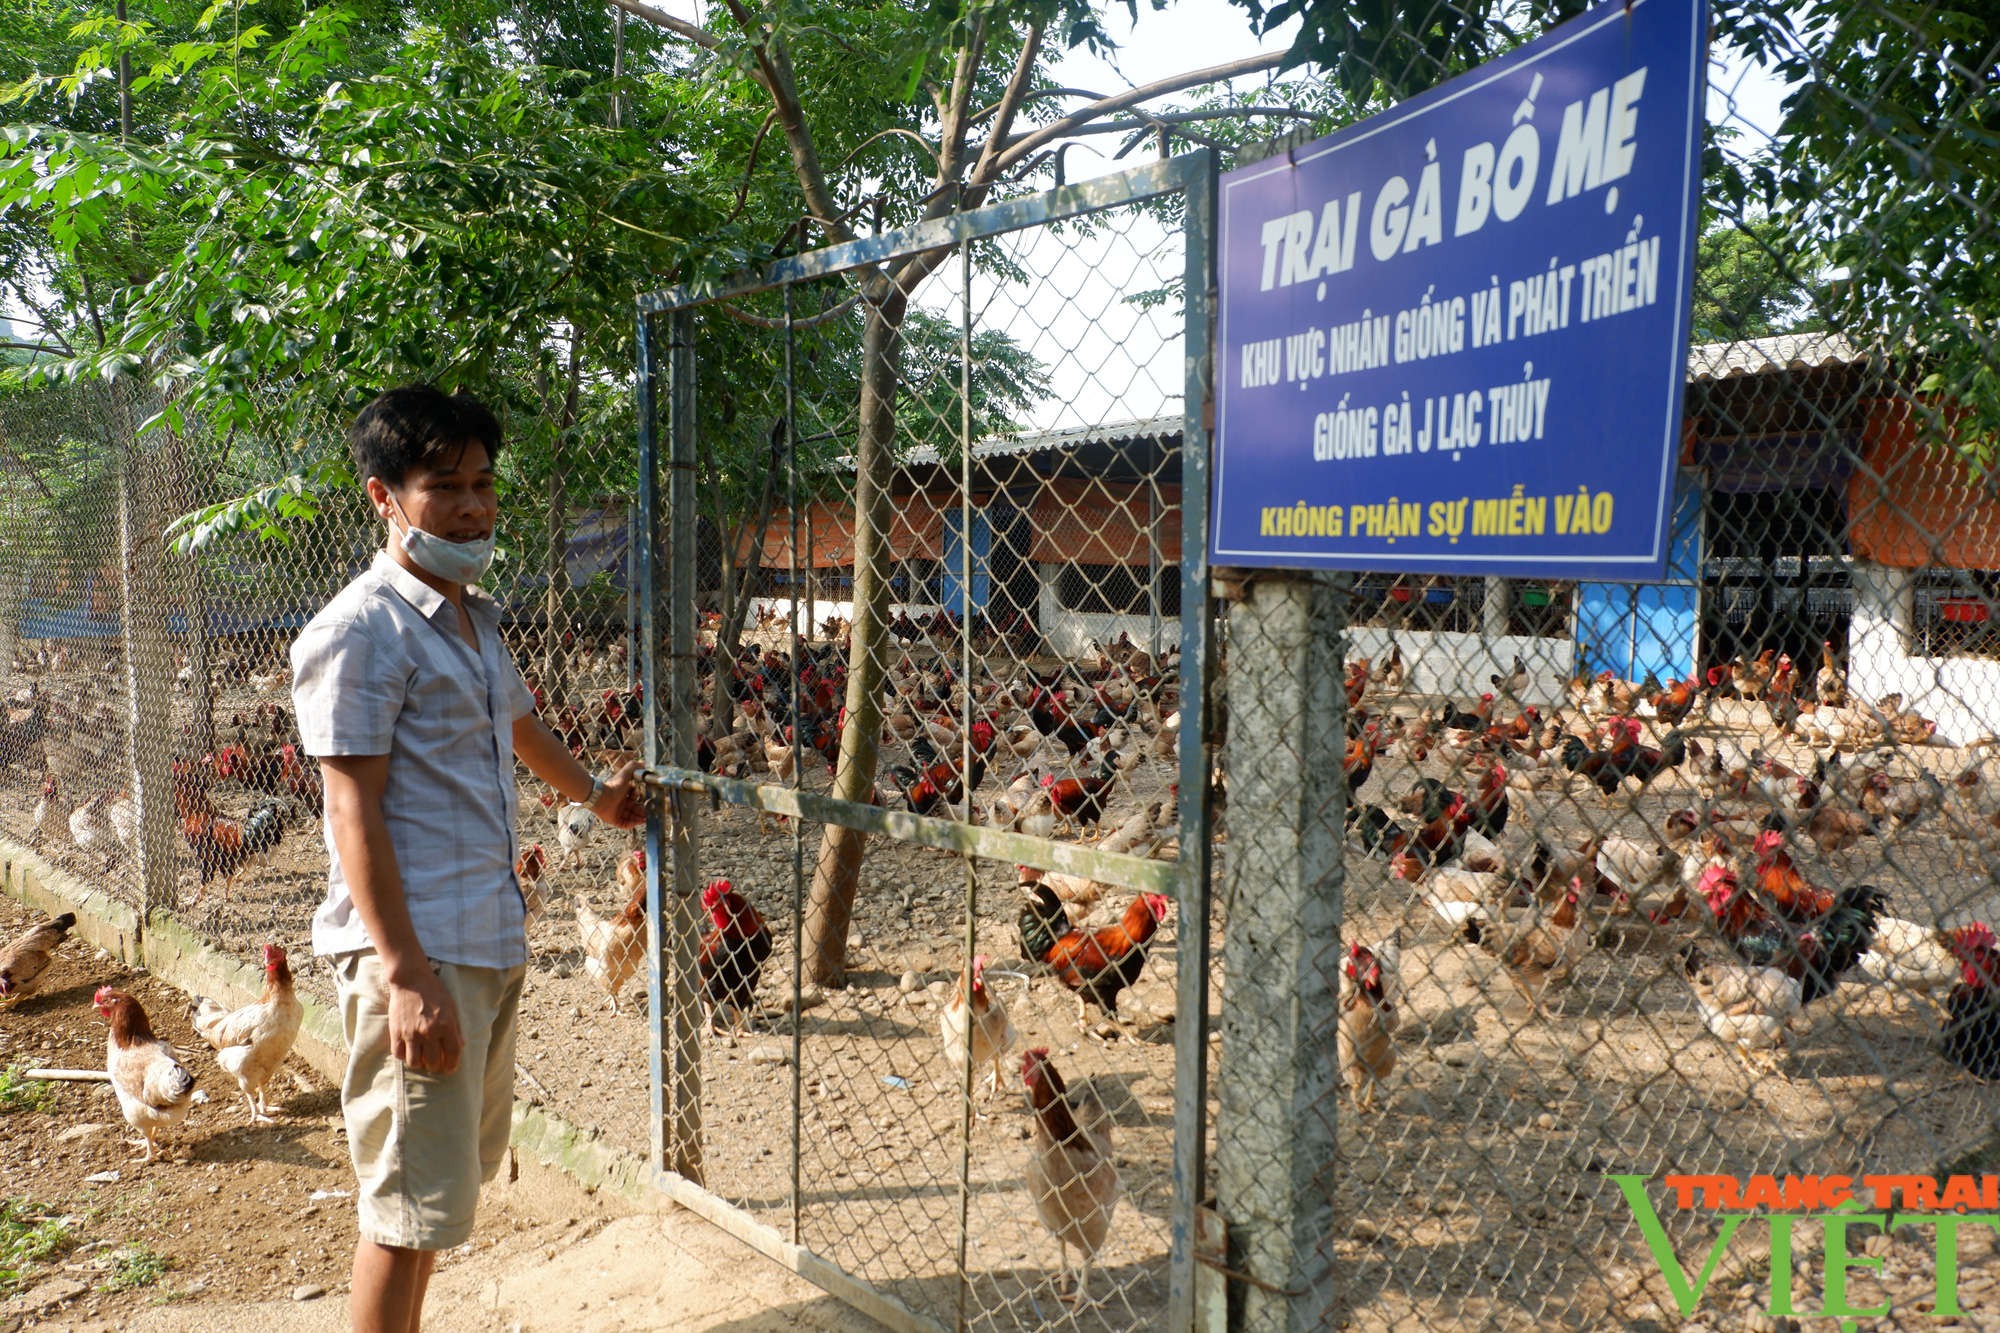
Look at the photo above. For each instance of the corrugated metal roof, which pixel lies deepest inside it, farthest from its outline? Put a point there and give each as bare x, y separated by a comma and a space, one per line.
1034, 442
1708, 361
1765, 356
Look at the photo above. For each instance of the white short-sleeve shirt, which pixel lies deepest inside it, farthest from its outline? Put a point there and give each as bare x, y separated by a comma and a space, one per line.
383, 670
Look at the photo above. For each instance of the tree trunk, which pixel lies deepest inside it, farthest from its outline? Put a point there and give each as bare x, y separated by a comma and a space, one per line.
841, 849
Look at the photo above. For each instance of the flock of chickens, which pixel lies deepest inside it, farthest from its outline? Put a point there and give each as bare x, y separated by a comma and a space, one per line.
1717, 888
1076, 737
154, 1087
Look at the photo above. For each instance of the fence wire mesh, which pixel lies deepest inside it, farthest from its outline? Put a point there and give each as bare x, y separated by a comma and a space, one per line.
1024, 679
1498, 862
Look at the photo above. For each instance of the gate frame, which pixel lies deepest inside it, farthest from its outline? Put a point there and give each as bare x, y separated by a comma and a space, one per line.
670, 679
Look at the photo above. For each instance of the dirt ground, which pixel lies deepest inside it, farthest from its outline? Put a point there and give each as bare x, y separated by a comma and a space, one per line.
1476, 1198
252, 1229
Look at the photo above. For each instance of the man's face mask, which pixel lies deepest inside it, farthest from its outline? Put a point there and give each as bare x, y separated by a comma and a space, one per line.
455, 562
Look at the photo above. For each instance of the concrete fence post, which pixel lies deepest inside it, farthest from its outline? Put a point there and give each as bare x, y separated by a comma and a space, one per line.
1498, 608
1278, 1082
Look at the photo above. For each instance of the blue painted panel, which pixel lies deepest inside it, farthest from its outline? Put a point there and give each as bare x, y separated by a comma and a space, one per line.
1633, 628
1664, 642
954, 561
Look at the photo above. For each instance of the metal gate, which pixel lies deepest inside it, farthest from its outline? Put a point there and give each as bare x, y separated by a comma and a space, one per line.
843, 1138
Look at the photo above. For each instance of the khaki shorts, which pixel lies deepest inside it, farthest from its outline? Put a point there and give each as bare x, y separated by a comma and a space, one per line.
422, 1143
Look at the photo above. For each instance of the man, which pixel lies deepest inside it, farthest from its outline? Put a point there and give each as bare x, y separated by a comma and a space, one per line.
416, 713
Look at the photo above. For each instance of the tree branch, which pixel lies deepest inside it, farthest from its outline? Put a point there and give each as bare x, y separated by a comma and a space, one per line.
883, 134
1105, 106
743, 193
952, 129
777, 68
1188, 118
679, 27
811, 321
1010, 102
985, 112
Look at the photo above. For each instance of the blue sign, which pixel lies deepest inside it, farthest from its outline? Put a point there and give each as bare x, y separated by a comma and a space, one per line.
1453, 337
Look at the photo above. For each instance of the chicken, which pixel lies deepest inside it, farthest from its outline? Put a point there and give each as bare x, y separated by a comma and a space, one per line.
1537, 953
1140, 833
1554, 868
222, 846
23, 962
1370, 990
1971, 1036
1097, 965
104, 825
52, 811
528, 874
1829, 686
574, 827
1515, 683
1392, 673
613, 947
733, 954
1633, 866
1904, 802
154, 1089
1908, 957
977, 1027
1814, 935
1750, 1008
1832, 827
1457, 896
1478, 852
1486, 803
1070, 1173
301, 779
1626, 758
1673, 703
1078, 895
251, 1042
1080, 801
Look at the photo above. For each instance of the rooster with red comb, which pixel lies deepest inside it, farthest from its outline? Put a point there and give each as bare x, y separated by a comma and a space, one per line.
733, 953
1972, 1023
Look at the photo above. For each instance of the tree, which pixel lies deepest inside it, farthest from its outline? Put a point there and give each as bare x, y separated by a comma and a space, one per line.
1747, 284
988, 118
319, 204
1887, 164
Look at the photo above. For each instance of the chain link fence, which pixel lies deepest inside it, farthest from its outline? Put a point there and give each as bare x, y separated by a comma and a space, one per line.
942, 750
902, 597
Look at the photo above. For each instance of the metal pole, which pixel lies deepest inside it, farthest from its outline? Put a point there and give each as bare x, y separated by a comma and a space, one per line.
1153, 565
1276, 1162
631, 596
646, 532
965, 759
798, 779
684, 1039
1197, 666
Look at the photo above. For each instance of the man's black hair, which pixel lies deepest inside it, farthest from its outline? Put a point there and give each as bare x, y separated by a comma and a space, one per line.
418, 428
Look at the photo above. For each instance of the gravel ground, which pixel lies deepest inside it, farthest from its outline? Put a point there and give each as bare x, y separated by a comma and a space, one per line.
1476, 1198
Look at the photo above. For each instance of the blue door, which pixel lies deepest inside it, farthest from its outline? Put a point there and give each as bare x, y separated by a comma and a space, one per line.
954, 561
1632, 629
